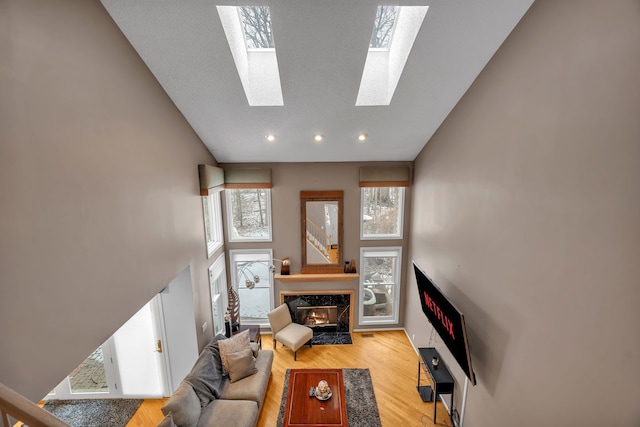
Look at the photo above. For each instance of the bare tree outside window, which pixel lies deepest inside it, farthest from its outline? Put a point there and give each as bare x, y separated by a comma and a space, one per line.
249, 213
257, 26
382, 211
383, 27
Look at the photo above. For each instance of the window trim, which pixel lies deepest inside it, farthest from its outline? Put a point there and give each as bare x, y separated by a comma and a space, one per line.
218, 271
229, 210
215, 219
396, 236
259, 255
381, 251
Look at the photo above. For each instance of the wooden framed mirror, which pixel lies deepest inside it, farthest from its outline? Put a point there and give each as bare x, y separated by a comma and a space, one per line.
321, 219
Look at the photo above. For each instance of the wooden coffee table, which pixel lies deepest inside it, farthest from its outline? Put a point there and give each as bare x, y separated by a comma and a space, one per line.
303, 410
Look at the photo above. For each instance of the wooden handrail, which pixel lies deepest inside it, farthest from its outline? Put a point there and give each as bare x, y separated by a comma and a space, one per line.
317, 232
22, 409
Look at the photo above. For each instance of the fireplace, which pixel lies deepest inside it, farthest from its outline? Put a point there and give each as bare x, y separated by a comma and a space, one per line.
318, 316
323, 311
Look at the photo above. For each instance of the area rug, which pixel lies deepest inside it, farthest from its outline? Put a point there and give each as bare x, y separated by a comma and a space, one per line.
362, 408
325, 338
94, 412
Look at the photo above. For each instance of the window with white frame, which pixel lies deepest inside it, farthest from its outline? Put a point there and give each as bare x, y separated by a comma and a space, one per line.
248, 214
251, 277
382, 213
218, 286
212, 210
380, 273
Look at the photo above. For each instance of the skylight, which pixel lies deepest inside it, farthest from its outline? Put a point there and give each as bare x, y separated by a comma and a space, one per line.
383, 27
395, 28
251, 40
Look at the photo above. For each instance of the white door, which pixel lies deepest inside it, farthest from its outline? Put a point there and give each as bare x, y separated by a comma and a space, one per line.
126, 365
181, 344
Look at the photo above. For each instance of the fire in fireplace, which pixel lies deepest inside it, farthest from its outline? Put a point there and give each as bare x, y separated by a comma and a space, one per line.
318, 316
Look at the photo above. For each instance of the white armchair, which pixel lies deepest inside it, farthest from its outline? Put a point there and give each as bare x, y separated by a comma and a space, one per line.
288, 333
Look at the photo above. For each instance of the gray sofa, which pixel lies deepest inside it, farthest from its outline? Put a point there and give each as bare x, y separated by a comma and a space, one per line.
206, 397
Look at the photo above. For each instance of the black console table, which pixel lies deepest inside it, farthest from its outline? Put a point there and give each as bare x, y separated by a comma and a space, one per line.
442, 379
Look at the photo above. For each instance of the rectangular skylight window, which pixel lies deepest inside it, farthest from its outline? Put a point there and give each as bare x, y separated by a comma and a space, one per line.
383, 27
251, 41
395, 29
256, 22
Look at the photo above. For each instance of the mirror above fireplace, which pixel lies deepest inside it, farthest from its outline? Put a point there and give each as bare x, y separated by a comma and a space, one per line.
321, 220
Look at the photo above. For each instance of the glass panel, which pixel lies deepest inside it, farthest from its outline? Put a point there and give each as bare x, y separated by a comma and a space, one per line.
382, 212
380, 284
383, 27
256, 22
218, 284
322, 232
212, 212
90, 375
250, 214
378, 300
253, 281
254, 304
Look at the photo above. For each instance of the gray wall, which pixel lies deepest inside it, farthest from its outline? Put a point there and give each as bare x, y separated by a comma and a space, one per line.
99, 194
288, 180
527, 214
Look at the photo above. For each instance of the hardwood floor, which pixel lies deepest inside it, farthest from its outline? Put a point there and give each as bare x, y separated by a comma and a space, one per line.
391, 360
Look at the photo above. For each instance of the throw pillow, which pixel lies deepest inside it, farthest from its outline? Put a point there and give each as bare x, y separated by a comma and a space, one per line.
232, 345
241, 364
183, 406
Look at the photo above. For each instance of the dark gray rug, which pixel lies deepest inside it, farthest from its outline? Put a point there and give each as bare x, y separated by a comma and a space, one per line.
362, 408
324, 338
94, 412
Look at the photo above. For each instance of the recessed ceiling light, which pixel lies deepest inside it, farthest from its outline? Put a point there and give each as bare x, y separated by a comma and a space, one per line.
362, 137
270, 137
318, 137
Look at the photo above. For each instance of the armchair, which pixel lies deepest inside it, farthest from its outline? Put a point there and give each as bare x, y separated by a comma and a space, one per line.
288, 333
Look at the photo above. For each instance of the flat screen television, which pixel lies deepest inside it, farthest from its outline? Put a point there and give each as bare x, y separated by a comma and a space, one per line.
446, 320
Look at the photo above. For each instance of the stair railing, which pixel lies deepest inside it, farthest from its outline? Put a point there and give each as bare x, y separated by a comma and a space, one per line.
15, 405
318, 238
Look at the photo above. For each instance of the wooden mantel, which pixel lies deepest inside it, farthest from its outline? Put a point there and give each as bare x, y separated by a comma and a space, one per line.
298, 277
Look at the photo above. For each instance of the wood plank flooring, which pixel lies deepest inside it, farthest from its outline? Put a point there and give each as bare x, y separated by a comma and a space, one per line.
391, 360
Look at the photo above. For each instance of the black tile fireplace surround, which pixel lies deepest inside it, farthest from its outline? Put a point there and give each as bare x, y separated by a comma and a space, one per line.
341, 301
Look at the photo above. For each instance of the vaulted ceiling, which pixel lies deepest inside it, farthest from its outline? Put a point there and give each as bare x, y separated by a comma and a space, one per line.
321, 48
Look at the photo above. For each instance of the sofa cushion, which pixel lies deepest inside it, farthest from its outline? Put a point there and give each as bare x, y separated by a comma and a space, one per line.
253, 387
241, 364
183, 406
229, 413
232, 345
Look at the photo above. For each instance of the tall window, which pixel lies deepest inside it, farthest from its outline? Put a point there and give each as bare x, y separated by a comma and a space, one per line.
249, 214
218, 286
382, 212
252, 279
212, 211
380, 272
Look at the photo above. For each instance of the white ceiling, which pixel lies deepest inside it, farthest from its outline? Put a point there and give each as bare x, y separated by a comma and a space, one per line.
321, 48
